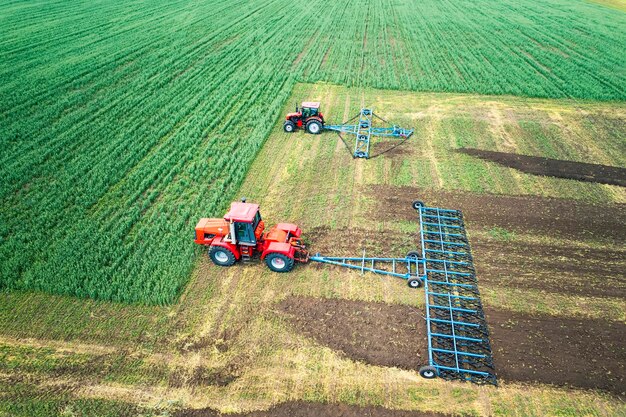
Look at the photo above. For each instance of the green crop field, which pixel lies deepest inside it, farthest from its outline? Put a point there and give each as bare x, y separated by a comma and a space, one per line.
123, 122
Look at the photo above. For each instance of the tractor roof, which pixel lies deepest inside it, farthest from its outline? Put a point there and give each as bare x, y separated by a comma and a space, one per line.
311, 104
242, 212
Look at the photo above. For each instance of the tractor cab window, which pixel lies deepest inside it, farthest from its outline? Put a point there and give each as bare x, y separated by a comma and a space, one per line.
308, 112
256, 221
245, 233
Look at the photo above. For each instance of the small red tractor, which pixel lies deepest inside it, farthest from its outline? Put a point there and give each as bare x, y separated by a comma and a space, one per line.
308, 117
240, 235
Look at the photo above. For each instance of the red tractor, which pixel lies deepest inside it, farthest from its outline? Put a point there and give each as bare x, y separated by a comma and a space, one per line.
309, 118
241, 234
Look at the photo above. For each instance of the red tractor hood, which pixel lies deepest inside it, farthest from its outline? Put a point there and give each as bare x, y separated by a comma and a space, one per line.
290, 115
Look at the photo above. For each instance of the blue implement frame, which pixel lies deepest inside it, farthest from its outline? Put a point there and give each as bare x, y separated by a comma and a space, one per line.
404, 268
364, 131
458, 337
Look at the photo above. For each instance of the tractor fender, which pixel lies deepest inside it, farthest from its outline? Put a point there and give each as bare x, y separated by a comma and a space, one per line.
290, 228
319, 119
219, 241
279, 247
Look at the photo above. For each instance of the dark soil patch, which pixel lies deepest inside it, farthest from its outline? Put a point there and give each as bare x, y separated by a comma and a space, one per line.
376, 333
549, 216
390, 148
584, 353
554, 268
307, 409
536, 165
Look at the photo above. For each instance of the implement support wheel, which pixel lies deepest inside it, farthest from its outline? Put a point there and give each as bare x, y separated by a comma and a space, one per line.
413, 254
417, 204
414, 282
428, 372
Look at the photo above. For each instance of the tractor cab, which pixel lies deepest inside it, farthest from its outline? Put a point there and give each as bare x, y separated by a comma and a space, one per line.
242, 225
246, 225
310, 109
308, 117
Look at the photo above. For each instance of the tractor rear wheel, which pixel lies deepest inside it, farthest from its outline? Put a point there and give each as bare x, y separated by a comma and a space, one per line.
428, 372
414, 282
278, 262
314, 127
221, 256
289, 126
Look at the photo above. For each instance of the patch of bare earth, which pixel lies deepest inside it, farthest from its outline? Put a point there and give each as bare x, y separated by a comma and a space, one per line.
307, 409
376, 333
536, 165
528, 214
583, 353
555, 268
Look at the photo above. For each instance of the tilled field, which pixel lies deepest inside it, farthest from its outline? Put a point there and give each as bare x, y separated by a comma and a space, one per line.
529, 214
377, 333
550, 267
581, 353
535, 165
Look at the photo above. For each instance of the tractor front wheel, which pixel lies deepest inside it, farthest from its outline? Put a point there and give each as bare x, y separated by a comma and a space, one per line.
289, 126
221, 256
278, 262
428, 372
314, 127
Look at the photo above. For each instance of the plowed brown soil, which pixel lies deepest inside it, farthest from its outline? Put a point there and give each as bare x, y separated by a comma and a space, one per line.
549, 216
580, 171
377, 333
583, 353
561, 351
307, 409
553, 268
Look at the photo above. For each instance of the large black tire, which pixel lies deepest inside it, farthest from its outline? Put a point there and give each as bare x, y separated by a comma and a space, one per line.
428, 372
289, 126
221, 256
417, 204
414, 282
413, 254
278, 262
314, 127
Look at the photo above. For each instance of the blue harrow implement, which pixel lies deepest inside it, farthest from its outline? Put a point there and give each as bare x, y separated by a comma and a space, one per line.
458, 337
364, 130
